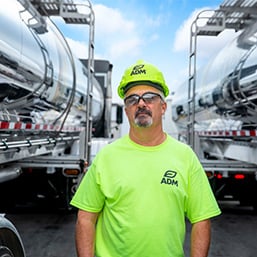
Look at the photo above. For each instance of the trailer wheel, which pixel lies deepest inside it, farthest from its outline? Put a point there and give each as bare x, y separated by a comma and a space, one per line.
5, 252
10, 241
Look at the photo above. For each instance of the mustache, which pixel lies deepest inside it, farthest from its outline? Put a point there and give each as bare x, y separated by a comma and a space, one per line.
143, 111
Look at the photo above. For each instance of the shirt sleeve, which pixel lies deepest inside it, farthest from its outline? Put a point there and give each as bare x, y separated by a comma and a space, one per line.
89, 196
201, 203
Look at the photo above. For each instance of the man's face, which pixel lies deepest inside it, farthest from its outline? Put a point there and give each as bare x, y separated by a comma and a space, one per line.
144, 106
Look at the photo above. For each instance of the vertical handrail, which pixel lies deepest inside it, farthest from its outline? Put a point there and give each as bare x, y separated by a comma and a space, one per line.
191, 85
90, 69
214, 28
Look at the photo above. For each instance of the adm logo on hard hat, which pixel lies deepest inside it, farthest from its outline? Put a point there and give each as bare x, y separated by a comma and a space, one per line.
138, 69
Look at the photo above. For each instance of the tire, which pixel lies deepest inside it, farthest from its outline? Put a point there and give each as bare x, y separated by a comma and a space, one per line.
10, 241
5, 252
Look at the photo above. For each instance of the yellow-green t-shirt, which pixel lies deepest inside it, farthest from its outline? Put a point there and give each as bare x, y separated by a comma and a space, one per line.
143, 195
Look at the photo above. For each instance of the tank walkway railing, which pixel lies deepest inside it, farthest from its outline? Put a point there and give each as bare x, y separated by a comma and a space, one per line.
51, 161
13, 148
227, 166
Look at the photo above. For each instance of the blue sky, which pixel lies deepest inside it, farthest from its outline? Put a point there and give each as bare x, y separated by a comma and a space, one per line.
155, 31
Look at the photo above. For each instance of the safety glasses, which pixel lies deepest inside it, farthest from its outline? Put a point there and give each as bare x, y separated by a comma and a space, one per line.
148, 98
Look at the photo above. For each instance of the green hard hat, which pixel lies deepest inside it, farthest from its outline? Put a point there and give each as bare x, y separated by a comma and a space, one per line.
142, 73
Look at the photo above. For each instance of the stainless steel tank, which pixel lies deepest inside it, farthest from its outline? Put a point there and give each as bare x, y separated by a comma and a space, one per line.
37, 71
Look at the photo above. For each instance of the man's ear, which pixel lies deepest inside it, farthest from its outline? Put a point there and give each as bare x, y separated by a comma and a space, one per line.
164, 107
126, 110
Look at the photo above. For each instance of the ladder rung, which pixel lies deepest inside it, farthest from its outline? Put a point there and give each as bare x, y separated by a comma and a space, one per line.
192, 54
191, 77
92, 70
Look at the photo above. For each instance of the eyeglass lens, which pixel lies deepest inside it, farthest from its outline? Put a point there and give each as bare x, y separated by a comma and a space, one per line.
147, 97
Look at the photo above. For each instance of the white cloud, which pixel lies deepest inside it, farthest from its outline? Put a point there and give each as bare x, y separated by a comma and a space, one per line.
182, 37
122, 48
115, 35
79, 48
154, 37
119, 36
110, 21
152, 22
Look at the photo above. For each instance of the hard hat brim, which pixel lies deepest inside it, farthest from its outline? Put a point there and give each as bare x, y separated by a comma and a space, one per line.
137, 83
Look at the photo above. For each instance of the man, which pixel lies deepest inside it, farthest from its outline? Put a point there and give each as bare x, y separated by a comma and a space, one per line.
136, 194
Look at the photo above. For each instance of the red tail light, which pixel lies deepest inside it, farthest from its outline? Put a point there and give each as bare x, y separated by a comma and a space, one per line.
239, 176
218, 176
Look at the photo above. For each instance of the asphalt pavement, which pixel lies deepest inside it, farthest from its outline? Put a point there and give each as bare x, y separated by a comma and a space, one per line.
50, 233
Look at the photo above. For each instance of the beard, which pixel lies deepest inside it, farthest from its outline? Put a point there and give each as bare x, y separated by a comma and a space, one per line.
143, 118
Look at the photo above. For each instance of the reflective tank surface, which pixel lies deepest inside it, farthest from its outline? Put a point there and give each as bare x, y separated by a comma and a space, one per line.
38, 73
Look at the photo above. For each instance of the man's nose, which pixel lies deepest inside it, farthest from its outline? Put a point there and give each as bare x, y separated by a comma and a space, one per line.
141, 102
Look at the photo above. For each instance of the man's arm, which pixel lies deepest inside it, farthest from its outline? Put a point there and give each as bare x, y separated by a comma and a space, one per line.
200, 238
85, 233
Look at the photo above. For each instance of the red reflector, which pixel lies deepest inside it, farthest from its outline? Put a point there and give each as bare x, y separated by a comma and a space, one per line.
4, 124
239, 176
219, 176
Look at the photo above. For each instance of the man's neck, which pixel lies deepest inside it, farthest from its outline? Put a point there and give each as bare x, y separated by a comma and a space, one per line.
147, 136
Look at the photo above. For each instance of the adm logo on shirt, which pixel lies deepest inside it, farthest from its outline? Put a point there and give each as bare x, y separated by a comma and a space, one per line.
168, 178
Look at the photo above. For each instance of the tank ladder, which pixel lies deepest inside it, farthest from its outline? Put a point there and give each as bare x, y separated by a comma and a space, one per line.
213, 28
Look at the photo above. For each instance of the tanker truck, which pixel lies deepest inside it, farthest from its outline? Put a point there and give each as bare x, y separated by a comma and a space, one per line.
218, 114
55, 109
